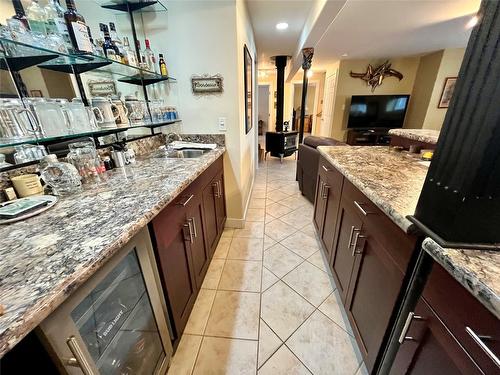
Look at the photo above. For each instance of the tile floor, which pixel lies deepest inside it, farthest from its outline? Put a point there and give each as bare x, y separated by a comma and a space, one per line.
268, 304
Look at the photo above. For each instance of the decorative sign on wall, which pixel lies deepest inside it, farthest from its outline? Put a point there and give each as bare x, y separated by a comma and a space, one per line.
102, 88
374, 76
207, 84
447, 93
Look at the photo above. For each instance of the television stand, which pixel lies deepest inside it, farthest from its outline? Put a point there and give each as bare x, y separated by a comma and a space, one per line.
368, 137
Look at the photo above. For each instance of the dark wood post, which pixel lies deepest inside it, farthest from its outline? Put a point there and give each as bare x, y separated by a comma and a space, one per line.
459, 205
307, 54
280, 62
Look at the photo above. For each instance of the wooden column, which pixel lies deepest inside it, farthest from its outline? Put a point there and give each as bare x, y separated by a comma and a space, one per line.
307, 54
459, 205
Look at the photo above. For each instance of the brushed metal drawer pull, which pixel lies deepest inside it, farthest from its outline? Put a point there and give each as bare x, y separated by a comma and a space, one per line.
321, 183
194, 227
220, 188
406, 327
183, 204
482, 345
351, 234
325, 168
358, 206
355, 245
191, 236
79, 359
325, 191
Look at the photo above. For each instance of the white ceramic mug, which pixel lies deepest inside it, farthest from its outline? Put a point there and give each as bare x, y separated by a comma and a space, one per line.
106, 111
27, 185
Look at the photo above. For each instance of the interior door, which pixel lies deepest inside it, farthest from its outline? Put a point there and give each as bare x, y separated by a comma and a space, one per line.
328, 105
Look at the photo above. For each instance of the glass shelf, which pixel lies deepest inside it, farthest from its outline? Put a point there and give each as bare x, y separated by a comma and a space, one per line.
21, 56
97, 133
139, 6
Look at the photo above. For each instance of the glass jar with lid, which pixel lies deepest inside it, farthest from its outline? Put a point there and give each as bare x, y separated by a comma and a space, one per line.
62, 178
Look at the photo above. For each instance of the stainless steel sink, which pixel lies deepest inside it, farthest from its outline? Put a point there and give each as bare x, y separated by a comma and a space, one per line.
186, 154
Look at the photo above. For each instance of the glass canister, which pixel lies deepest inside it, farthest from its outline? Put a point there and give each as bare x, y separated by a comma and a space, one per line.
63, 178
83, 156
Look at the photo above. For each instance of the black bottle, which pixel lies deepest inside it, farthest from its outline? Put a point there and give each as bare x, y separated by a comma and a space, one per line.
110, 49
77, 29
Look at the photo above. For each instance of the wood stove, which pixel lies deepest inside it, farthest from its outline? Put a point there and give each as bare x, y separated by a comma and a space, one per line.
281, 144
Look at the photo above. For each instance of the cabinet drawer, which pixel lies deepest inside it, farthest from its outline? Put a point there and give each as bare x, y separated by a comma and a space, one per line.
459, 309
397, 243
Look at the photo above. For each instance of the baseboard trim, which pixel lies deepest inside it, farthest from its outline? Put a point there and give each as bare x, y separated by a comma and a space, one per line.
240, 223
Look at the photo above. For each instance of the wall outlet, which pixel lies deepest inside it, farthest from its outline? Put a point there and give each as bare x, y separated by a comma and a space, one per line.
222, 124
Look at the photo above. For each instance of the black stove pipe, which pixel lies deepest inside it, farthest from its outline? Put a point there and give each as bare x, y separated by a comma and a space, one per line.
280, 62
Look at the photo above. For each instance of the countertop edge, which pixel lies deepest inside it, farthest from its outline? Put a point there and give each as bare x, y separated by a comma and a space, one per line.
9, 338
478, 289
401, 221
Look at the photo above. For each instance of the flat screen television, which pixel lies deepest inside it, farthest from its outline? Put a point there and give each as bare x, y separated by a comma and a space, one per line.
377, 111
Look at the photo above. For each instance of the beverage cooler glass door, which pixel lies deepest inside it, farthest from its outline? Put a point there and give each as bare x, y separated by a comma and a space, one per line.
115, 323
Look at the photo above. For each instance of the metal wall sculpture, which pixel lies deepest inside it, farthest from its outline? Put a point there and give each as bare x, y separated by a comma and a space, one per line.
374, 76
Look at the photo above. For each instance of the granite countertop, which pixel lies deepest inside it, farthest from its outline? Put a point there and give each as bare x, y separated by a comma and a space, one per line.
476, 270
45, 258
391, 180
421, 135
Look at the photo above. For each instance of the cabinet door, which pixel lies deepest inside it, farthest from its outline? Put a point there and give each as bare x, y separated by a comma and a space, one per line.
331, 195
210, 215
373, 291
349, 226
220, 203
319, 204
428, 347
171, 231
199, 251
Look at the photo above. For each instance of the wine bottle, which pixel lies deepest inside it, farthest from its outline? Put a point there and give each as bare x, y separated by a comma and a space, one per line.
140, 56
150, 57
117, 42
131, 57
77, 29
20, 15
163, 66
56, 23
110, 49
36, 18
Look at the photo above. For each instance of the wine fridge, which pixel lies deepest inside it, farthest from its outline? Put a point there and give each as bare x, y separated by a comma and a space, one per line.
116, 322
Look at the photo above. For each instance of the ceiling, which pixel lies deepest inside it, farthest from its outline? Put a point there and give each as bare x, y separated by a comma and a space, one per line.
362, 29
265, 14
381, 29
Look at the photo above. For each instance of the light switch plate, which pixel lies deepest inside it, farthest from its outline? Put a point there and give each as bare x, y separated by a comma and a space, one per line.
222, 124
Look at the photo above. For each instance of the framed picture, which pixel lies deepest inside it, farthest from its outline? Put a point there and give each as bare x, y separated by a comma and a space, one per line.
248, 89
207, 84
102, 87
448, 88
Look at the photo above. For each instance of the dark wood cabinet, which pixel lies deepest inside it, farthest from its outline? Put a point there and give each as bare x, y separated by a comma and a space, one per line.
428, 348
185, 234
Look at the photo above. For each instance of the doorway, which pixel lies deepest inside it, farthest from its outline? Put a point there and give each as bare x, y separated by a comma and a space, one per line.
311, 107
263, 114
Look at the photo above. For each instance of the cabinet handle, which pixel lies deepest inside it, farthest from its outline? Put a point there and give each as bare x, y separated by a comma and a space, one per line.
350, 235
355, 245
183, 204
194, 227
482, 345
406, 327
190, 228
325, 168
325, 191
358, 206
220, 188
79, 359
320, 188
216, 187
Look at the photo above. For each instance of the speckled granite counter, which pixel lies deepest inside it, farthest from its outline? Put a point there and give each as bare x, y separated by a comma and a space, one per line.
44, 258
391, 180
477, 270
421, 135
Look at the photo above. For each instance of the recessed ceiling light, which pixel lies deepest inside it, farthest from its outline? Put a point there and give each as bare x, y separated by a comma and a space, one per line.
282, 26
309, 73
472, 22
344, 55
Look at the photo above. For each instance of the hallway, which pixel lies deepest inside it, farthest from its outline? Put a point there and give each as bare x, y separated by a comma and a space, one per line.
268, 304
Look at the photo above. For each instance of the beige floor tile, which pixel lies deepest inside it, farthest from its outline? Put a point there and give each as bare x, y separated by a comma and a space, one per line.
295, 219
246, 248
185, 356
283, 362
222, 248
276, 195
221, 356
268, 242
324, 347
268, 343
268, 279
234, 315
284, 310
257, 203
201, 310
241, 275
213, 274
279, 260
291, 188
294, 202
332, 308
310, 282
277, 210
253, 229
301, 244
228, 232
279, 230
269, 218
319, 260
259, 194
309, 229
256, 214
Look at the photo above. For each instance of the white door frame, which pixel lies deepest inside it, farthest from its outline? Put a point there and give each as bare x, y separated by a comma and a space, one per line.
315, 83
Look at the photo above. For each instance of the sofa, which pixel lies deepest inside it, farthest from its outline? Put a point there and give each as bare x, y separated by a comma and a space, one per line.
307, 163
